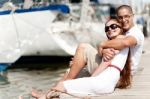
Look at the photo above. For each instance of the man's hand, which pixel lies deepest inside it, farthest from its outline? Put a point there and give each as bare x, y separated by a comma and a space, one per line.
108, 54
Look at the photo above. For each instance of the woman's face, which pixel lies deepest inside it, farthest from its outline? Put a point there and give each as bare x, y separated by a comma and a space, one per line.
113, 29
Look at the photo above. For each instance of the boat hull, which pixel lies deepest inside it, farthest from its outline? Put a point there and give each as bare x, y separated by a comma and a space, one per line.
36, 33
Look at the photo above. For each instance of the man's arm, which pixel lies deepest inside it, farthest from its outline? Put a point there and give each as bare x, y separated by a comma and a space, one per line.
106, 48
119, 43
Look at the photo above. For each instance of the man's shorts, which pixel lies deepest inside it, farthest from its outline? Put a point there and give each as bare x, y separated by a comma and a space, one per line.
92, 58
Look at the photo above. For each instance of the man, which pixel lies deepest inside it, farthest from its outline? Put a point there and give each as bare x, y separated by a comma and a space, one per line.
134, 38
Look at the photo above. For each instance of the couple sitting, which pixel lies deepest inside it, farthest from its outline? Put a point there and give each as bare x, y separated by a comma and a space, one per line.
110, 66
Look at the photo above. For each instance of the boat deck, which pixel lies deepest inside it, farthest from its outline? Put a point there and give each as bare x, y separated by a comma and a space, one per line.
141, 82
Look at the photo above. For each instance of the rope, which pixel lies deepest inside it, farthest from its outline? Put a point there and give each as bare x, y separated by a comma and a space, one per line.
15, 26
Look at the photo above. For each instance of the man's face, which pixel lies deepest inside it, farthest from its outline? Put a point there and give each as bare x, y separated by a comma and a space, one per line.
126, 18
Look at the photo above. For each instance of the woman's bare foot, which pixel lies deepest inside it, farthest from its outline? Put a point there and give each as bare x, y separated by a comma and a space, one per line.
41, 95
20, 97
36, 93
25, 96
49, 95
53, 94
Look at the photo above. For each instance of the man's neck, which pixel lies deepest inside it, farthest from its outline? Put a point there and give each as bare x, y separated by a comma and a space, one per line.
129, 28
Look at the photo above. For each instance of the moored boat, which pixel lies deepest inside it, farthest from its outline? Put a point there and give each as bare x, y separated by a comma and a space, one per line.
45, 30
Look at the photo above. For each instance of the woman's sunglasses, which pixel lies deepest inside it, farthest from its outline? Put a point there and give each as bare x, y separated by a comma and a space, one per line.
112, 26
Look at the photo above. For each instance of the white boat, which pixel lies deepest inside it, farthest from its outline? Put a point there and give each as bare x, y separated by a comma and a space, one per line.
37, 31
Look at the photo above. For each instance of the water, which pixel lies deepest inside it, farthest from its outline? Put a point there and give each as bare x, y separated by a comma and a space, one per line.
23, 79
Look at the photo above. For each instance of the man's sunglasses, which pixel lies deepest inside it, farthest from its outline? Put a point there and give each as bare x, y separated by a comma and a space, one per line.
112, 26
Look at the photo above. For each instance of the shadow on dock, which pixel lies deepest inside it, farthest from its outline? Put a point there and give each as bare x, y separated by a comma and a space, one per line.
41, 62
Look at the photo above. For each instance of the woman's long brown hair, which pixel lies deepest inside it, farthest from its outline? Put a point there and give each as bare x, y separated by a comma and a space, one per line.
125, 75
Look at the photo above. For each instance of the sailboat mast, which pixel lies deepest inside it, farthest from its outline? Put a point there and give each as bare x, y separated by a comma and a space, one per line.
86, 11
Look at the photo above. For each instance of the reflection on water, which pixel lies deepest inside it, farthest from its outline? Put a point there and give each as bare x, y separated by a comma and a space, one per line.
23, 79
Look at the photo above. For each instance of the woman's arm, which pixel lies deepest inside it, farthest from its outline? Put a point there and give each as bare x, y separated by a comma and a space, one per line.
104, 64
101, 68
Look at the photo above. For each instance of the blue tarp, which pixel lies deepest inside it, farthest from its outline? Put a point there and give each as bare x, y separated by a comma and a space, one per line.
3, 67
55, 7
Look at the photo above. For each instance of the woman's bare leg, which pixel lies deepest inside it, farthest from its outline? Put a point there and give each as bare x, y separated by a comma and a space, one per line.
59, 88
36, 93
78, 63
55, 91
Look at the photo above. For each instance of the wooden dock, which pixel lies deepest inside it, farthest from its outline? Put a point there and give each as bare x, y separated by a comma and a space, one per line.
141, 82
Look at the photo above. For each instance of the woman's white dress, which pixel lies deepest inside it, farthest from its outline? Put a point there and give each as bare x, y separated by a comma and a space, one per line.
103, 83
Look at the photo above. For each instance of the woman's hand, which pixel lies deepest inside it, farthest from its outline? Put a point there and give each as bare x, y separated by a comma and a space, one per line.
108, 54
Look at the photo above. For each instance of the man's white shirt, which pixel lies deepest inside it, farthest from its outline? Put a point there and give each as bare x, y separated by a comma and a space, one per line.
136, 51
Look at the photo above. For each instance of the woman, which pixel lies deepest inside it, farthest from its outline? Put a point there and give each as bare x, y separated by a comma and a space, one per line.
105, 77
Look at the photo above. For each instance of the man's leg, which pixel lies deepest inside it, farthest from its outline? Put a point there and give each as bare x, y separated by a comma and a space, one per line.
85, 56
78, 63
